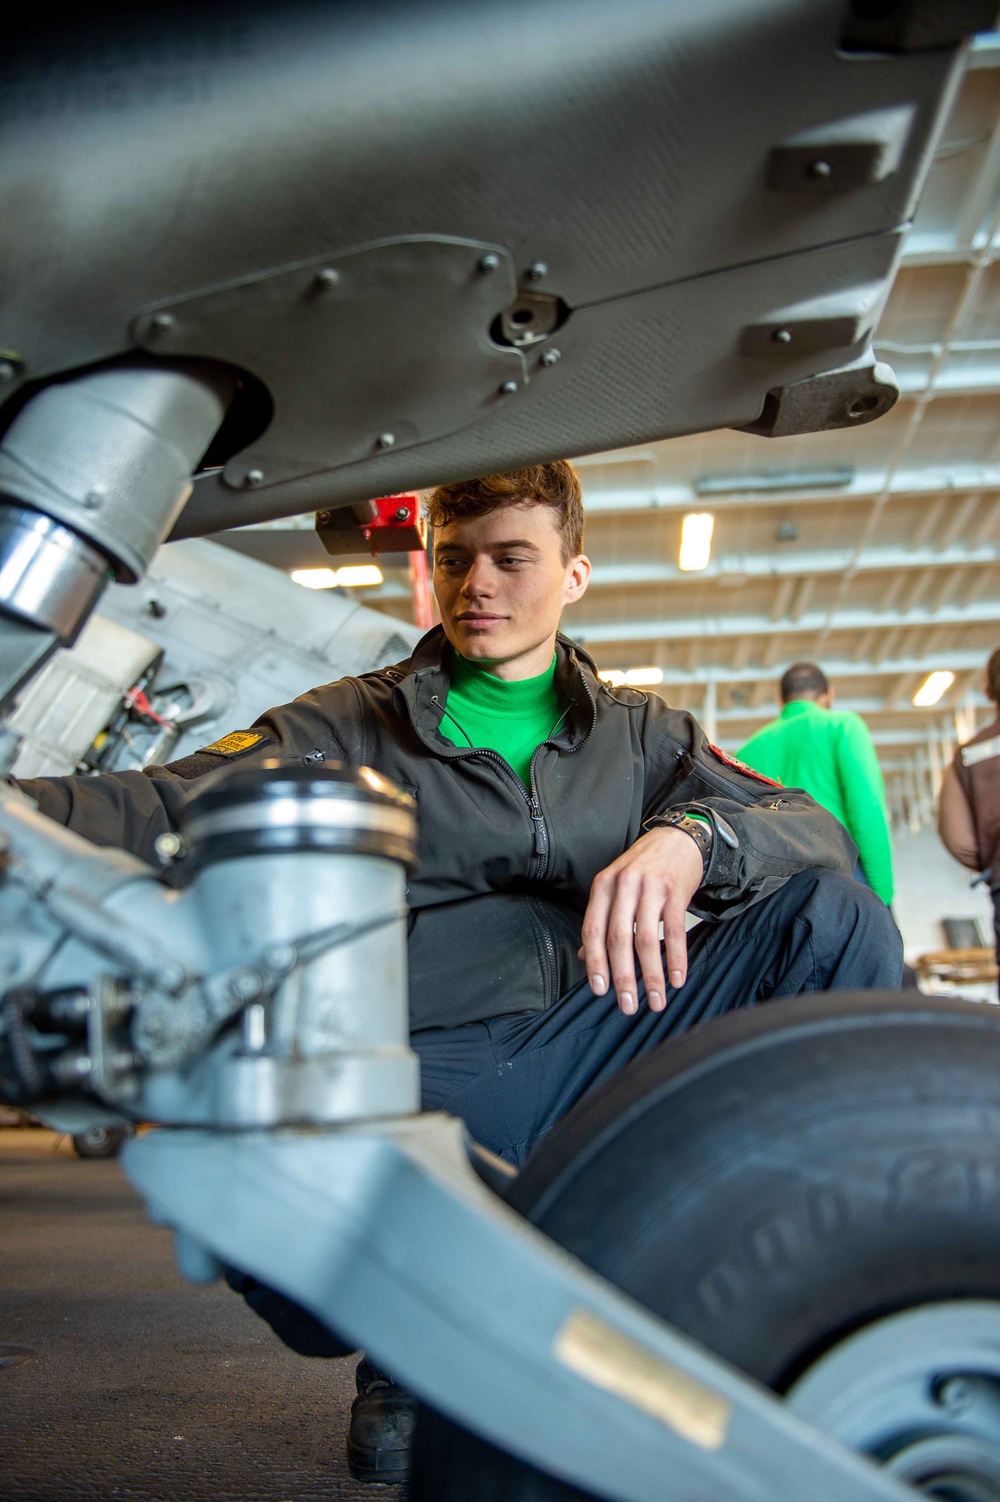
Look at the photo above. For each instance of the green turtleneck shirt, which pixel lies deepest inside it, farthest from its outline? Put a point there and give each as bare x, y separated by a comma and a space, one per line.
511, 719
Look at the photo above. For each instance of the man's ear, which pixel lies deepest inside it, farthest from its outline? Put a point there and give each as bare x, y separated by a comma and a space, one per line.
577, 579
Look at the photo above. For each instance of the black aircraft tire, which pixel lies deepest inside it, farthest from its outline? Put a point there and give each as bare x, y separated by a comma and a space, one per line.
769, 1183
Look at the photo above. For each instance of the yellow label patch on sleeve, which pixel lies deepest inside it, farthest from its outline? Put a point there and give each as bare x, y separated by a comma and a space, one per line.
236, 740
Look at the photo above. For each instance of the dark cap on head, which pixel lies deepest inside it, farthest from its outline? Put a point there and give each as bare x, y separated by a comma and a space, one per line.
803, 680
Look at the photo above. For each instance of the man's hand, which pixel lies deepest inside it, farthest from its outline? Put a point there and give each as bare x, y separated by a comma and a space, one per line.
655, 879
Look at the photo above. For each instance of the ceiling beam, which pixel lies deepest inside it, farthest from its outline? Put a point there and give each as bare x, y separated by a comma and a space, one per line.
677, 493
777, 565
835, 669
714, 628
959, 518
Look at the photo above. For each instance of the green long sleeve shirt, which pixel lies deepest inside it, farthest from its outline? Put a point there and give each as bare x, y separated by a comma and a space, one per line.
830, 753
509, 718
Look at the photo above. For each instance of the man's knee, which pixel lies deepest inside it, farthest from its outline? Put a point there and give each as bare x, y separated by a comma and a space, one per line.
854, 937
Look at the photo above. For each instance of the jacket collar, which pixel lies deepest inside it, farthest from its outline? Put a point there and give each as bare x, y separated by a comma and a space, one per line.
424, 691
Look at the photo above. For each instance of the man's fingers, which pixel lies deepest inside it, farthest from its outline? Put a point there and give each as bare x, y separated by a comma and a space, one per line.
595, 932
621, 940
675, 939
647, 944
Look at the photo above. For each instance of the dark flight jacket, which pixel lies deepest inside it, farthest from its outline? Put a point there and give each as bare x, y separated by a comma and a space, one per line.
504, 873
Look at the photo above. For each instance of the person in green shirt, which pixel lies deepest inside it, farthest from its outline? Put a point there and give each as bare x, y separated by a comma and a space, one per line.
828, 752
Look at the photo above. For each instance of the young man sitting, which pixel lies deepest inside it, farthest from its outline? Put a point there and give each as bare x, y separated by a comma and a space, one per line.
561, 822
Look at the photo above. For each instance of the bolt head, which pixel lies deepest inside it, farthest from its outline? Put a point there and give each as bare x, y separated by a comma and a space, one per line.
819, 168
160, 324
385, 440
93, 500
8, 371
508, 388
167, 846
551, 357
326, 278
246, 986
402, 515
537, 271
254, 477
782, 336
489, 262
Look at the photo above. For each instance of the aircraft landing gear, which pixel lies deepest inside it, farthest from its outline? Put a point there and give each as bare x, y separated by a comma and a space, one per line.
812, 1190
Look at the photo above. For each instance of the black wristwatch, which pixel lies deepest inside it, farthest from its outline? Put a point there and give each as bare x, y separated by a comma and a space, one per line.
700, 830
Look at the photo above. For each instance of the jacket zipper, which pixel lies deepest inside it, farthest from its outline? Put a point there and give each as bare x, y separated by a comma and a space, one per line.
539, 830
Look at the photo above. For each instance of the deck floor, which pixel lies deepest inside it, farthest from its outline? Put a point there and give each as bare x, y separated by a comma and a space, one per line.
140, 1387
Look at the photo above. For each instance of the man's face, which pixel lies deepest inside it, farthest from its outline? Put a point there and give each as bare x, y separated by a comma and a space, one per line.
501, 586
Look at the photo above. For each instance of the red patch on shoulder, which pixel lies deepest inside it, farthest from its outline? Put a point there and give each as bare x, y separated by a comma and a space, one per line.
741, 766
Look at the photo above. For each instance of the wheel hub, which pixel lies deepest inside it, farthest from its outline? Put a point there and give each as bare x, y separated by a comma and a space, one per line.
920, 1393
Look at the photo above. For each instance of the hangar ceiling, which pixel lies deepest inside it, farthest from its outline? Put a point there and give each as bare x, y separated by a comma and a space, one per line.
875, 553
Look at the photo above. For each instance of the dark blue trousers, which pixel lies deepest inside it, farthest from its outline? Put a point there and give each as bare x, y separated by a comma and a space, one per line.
512, 1078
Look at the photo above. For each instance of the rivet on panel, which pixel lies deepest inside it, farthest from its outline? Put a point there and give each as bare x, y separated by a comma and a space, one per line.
819, 168
551, 357
254, 477
160, 324
508, 388
8, 371
537, 271
782, 336
385, 440
489, 262
326, 278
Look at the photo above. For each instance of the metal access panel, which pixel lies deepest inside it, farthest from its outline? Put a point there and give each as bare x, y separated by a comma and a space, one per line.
444, 238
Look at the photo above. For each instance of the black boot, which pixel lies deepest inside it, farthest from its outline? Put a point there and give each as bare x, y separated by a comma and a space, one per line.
381, 1431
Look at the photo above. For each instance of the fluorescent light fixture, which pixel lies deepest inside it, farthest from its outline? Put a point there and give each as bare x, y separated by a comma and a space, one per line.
696, 541
351, 576
643, 677
614, 676
315, 578
354, 574
931, 690
776, 479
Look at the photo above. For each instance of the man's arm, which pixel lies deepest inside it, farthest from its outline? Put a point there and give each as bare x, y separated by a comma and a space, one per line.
762, 835
130, 810
955, 822
864, 804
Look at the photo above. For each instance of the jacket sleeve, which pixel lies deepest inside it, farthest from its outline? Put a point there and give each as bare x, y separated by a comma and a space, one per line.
956, 825
130, 810
764, 833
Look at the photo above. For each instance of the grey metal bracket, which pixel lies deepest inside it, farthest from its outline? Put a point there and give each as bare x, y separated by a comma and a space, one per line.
844, 398
388, 1236
843, 155
376, 348
835, 321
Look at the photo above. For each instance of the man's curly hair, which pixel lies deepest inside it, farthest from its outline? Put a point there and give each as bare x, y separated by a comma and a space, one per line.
556, 485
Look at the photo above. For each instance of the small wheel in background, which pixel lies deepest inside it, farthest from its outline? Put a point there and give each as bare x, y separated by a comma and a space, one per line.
101, 1141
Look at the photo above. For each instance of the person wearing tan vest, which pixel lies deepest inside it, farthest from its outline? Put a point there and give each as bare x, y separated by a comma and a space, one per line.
969, 807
